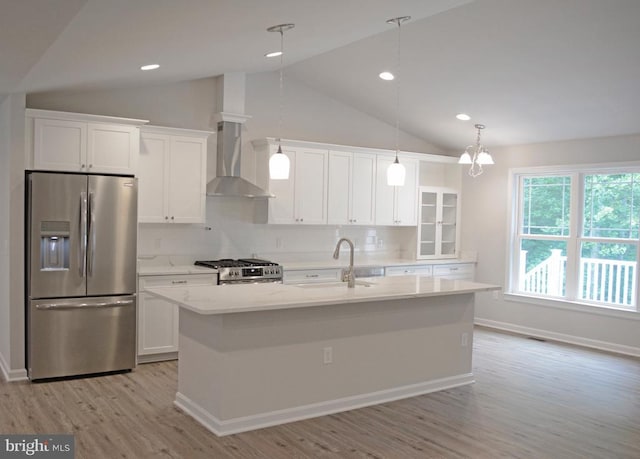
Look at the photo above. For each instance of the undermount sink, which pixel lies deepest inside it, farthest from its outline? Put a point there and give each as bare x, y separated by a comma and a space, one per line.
360, 283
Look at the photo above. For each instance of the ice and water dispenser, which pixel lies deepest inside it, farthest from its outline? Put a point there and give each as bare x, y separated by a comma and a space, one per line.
54, 245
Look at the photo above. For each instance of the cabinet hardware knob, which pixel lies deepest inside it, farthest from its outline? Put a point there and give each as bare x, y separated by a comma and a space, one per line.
83, 166
172, 217
90, 166
166, 218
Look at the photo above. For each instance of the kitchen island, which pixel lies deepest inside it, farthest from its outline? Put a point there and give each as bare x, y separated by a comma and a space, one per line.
257, 355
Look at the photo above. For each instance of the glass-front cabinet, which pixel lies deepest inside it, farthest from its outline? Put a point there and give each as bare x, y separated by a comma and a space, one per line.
438, 225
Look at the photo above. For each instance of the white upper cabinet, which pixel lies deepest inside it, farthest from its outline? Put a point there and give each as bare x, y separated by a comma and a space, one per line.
438, 229
172, 175
343, 185
301, 199
396, 205
351, 188
75, 142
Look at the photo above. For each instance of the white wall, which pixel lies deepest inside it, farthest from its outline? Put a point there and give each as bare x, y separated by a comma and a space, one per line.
5, 333
485, 208
12, 163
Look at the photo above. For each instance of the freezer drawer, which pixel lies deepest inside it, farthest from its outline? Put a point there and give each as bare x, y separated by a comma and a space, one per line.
77, 336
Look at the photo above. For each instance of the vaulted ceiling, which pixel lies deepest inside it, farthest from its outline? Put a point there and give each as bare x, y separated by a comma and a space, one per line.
532, 71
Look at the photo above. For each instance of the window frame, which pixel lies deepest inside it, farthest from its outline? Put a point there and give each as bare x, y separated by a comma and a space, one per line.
573, 240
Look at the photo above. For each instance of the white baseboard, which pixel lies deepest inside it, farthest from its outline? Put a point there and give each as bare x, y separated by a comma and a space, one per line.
257, 421
11, 375
157, 357
571, 339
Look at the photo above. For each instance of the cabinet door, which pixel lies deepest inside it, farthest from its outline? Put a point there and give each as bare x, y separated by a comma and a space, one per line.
385, 194
449, 223
363, 189
428, 226
187, 180
158, 330
311, 186
339, 190
60, 145
406, 196
152, 176
282, 208
438, 226
112, 148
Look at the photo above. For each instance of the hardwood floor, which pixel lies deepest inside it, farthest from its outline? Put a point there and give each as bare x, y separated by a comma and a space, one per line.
531, 399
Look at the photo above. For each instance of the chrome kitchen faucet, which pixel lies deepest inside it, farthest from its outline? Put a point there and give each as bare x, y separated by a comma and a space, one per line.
347, 274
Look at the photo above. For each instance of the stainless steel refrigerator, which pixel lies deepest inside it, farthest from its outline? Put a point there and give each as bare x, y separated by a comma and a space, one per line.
81, 235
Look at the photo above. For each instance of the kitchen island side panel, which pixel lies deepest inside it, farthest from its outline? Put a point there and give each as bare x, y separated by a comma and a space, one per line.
235, 366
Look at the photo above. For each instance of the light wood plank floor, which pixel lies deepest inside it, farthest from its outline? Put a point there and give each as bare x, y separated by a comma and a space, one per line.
531, 399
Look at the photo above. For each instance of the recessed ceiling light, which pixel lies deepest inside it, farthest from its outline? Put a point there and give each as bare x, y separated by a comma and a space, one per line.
150, 67
388, 76
273, 54
463, 117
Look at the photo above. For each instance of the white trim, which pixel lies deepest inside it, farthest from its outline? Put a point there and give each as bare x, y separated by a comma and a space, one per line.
572, 168
571, 339
69, 116
430, 157
257, 421
11, 375
161, 357
175, 131
559, 303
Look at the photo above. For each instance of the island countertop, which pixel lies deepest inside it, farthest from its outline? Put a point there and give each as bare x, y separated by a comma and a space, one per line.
236, 298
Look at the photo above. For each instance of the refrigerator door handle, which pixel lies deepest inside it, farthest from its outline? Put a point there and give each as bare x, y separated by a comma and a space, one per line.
92, 233
110, 304
83, 234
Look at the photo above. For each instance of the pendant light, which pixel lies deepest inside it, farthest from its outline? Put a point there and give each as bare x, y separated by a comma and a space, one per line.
476, 155
279, 162
396, 171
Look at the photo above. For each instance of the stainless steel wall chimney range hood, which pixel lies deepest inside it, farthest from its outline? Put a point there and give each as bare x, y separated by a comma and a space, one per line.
228, 181
230, 95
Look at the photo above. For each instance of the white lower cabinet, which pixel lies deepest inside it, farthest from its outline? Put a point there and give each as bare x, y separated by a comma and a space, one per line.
464, 271
304, 276
158, 318
425, 270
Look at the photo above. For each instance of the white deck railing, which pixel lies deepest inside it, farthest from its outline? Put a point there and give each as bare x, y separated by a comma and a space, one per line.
604, 281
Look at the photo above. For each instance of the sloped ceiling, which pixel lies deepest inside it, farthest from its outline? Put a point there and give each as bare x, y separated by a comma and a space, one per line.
532, 71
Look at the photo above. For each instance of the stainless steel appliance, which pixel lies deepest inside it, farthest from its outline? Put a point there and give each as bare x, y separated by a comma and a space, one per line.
244, 270
80, 273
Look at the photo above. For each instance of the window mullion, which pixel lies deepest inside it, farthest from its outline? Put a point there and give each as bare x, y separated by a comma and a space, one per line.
573, 244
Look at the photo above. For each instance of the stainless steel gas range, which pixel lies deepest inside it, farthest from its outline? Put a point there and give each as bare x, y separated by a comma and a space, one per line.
244, 270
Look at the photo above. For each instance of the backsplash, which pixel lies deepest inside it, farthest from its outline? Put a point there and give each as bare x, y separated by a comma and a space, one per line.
230, 232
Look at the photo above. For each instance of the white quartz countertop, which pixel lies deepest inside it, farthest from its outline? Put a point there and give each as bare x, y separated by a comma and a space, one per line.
236, 298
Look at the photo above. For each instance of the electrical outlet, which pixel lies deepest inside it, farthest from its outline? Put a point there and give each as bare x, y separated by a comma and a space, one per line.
496, 295
278, 243
464, 340
327, 355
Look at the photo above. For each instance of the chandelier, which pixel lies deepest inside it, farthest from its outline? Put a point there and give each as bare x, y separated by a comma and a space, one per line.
476, 155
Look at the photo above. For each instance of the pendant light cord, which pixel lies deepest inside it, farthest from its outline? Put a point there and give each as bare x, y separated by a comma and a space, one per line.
281, 107
398, 92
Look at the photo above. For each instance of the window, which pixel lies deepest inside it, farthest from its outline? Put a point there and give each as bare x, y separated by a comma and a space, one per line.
576, 236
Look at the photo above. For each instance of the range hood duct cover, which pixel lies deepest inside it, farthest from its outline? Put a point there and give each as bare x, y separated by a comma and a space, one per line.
228, 181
